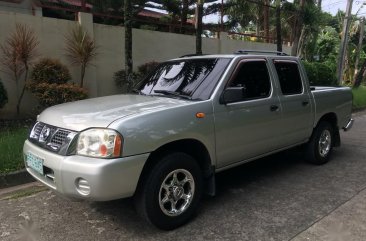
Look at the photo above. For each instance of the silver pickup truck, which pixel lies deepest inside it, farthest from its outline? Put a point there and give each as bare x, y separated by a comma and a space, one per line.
189, 119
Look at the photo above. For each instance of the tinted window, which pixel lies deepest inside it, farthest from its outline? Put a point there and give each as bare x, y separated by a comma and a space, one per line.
195, 78
289, 77
254, 78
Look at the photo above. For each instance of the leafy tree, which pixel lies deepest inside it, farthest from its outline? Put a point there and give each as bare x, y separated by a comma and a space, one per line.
327, 44
180, 9
244, 13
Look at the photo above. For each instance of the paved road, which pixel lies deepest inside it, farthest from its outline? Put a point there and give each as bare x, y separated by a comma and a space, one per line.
276, 198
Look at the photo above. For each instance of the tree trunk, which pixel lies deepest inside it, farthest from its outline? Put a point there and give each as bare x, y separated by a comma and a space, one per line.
82, 75
278, 25
359, 47
344, 42
199, 13
257, 27
128, 43
360, 75
320, 4
301, 42
297, 29
266, 20
315, 34
183, 18
23, 90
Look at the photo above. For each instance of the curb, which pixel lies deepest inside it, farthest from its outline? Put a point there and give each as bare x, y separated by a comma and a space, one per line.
15, 178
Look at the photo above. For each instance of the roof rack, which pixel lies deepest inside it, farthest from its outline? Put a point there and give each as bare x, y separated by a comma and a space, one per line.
243, 51
191, 55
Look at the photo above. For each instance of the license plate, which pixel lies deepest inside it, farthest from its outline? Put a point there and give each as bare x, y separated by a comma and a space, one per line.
35, 162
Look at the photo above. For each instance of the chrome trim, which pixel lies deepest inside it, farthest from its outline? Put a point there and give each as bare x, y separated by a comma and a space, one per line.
176, 192
50, 176
325, 143
349, 125
52, 138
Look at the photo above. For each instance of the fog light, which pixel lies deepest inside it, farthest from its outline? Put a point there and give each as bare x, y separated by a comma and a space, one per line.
82, 186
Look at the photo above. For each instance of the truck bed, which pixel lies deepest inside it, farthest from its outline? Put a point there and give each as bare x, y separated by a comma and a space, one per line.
336, 100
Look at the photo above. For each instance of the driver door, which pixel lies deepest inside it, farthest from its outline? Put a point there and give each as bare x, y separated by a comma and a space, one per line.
249, 127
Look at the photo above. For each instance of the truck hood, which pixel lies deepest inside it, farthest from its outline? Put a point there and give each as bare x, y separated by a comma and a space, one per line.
102, 111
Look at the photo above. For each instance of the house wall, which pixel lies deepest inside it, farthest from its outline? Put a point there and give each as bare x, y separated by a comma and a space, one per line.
20, 6
147, 46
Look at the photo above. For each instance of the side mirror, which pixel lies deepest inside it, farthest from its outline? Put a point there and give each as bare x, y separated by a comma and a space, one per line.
232, 94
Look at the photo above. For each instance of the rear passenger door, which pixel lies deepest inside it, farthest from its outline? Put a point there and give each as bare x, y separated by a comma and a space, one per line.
295, 101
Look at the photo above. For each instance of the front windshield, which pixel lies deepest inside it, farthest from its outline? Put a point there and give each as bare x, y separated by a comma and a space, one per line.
188, 78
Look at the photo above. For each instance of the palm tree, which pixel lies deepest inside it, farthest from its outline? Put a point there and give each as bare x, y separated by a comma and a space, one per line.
278, 26
19, 50
80, 49
244, 13
199, 15
298, 28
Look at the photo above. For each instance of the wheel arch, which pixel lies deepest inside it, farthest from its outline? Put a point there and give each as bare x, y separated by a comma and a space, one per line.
192, 147
331, 118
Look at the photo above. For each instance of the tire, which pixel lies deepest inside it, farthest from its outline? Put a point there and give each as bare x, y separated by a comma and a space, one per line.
320, 146
175, 181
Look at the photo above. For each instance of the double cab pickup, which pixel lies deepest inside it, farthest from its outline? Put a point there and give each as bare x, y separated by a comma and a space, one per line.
192, 117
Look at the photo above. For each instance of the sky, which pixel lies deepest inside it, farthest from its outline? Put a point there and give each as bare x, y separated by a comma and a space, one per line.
332, 6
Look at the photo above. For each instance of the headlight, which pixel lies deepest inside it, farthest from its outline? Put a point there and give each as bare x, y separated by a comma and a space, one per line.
103, 143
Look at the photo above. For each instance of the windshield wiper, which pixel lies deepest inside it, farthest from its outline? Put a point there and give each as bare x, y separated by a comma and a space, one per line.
172, 93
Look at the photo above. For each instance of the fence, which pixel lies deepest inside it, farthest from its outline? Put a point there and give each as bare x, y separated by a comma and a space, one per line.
147, 46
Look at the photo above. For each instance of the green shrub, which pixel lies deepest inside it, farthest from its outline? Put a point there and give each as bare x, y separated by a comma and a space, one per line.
149, 27
120, 80
359, 97
311, 72
320, 74
50, 71
3, 95
146, 68
119, 77
53, 94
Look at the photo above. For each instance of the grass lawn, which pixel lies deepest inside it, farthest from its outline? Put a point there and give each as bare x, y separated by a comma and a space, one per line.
359, 97
11, 146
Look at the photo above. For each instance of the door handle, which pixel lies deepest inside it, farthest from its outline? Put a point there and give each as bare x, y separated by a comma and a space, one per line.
305, 103
274, 108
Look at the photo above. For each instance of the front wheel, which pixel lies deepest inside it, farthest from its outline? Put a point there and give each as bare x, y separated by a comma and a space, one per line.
320, 145
170, 193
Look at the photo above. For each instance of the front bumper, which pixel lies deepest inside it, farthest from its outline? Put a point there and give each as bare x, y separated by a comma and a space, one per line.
107, 179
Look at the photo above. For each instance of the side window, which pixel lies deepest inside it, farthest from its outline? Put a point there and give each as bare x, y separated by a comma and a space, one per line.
254, 78
289, 77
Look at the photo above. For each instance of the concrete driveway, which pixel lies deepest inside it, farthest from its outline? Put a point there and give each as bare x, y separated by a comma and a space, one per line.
276, 198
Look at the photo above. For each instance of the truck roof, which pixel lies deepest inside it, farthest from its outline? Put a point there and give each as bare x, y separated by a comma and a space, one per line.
235, 55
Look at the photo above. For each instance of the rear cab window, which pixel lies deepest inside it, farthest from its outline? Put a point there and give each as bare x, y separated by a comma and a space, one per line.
289, 77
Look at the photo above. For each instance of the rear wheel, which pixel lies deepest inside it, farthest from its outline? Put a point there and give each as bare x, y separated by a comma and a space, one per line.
171, 191
320, 145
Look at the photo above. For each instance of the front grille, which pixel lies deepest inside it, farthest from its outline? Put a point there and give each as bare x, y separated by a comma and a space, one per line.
51, 138
59, 138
